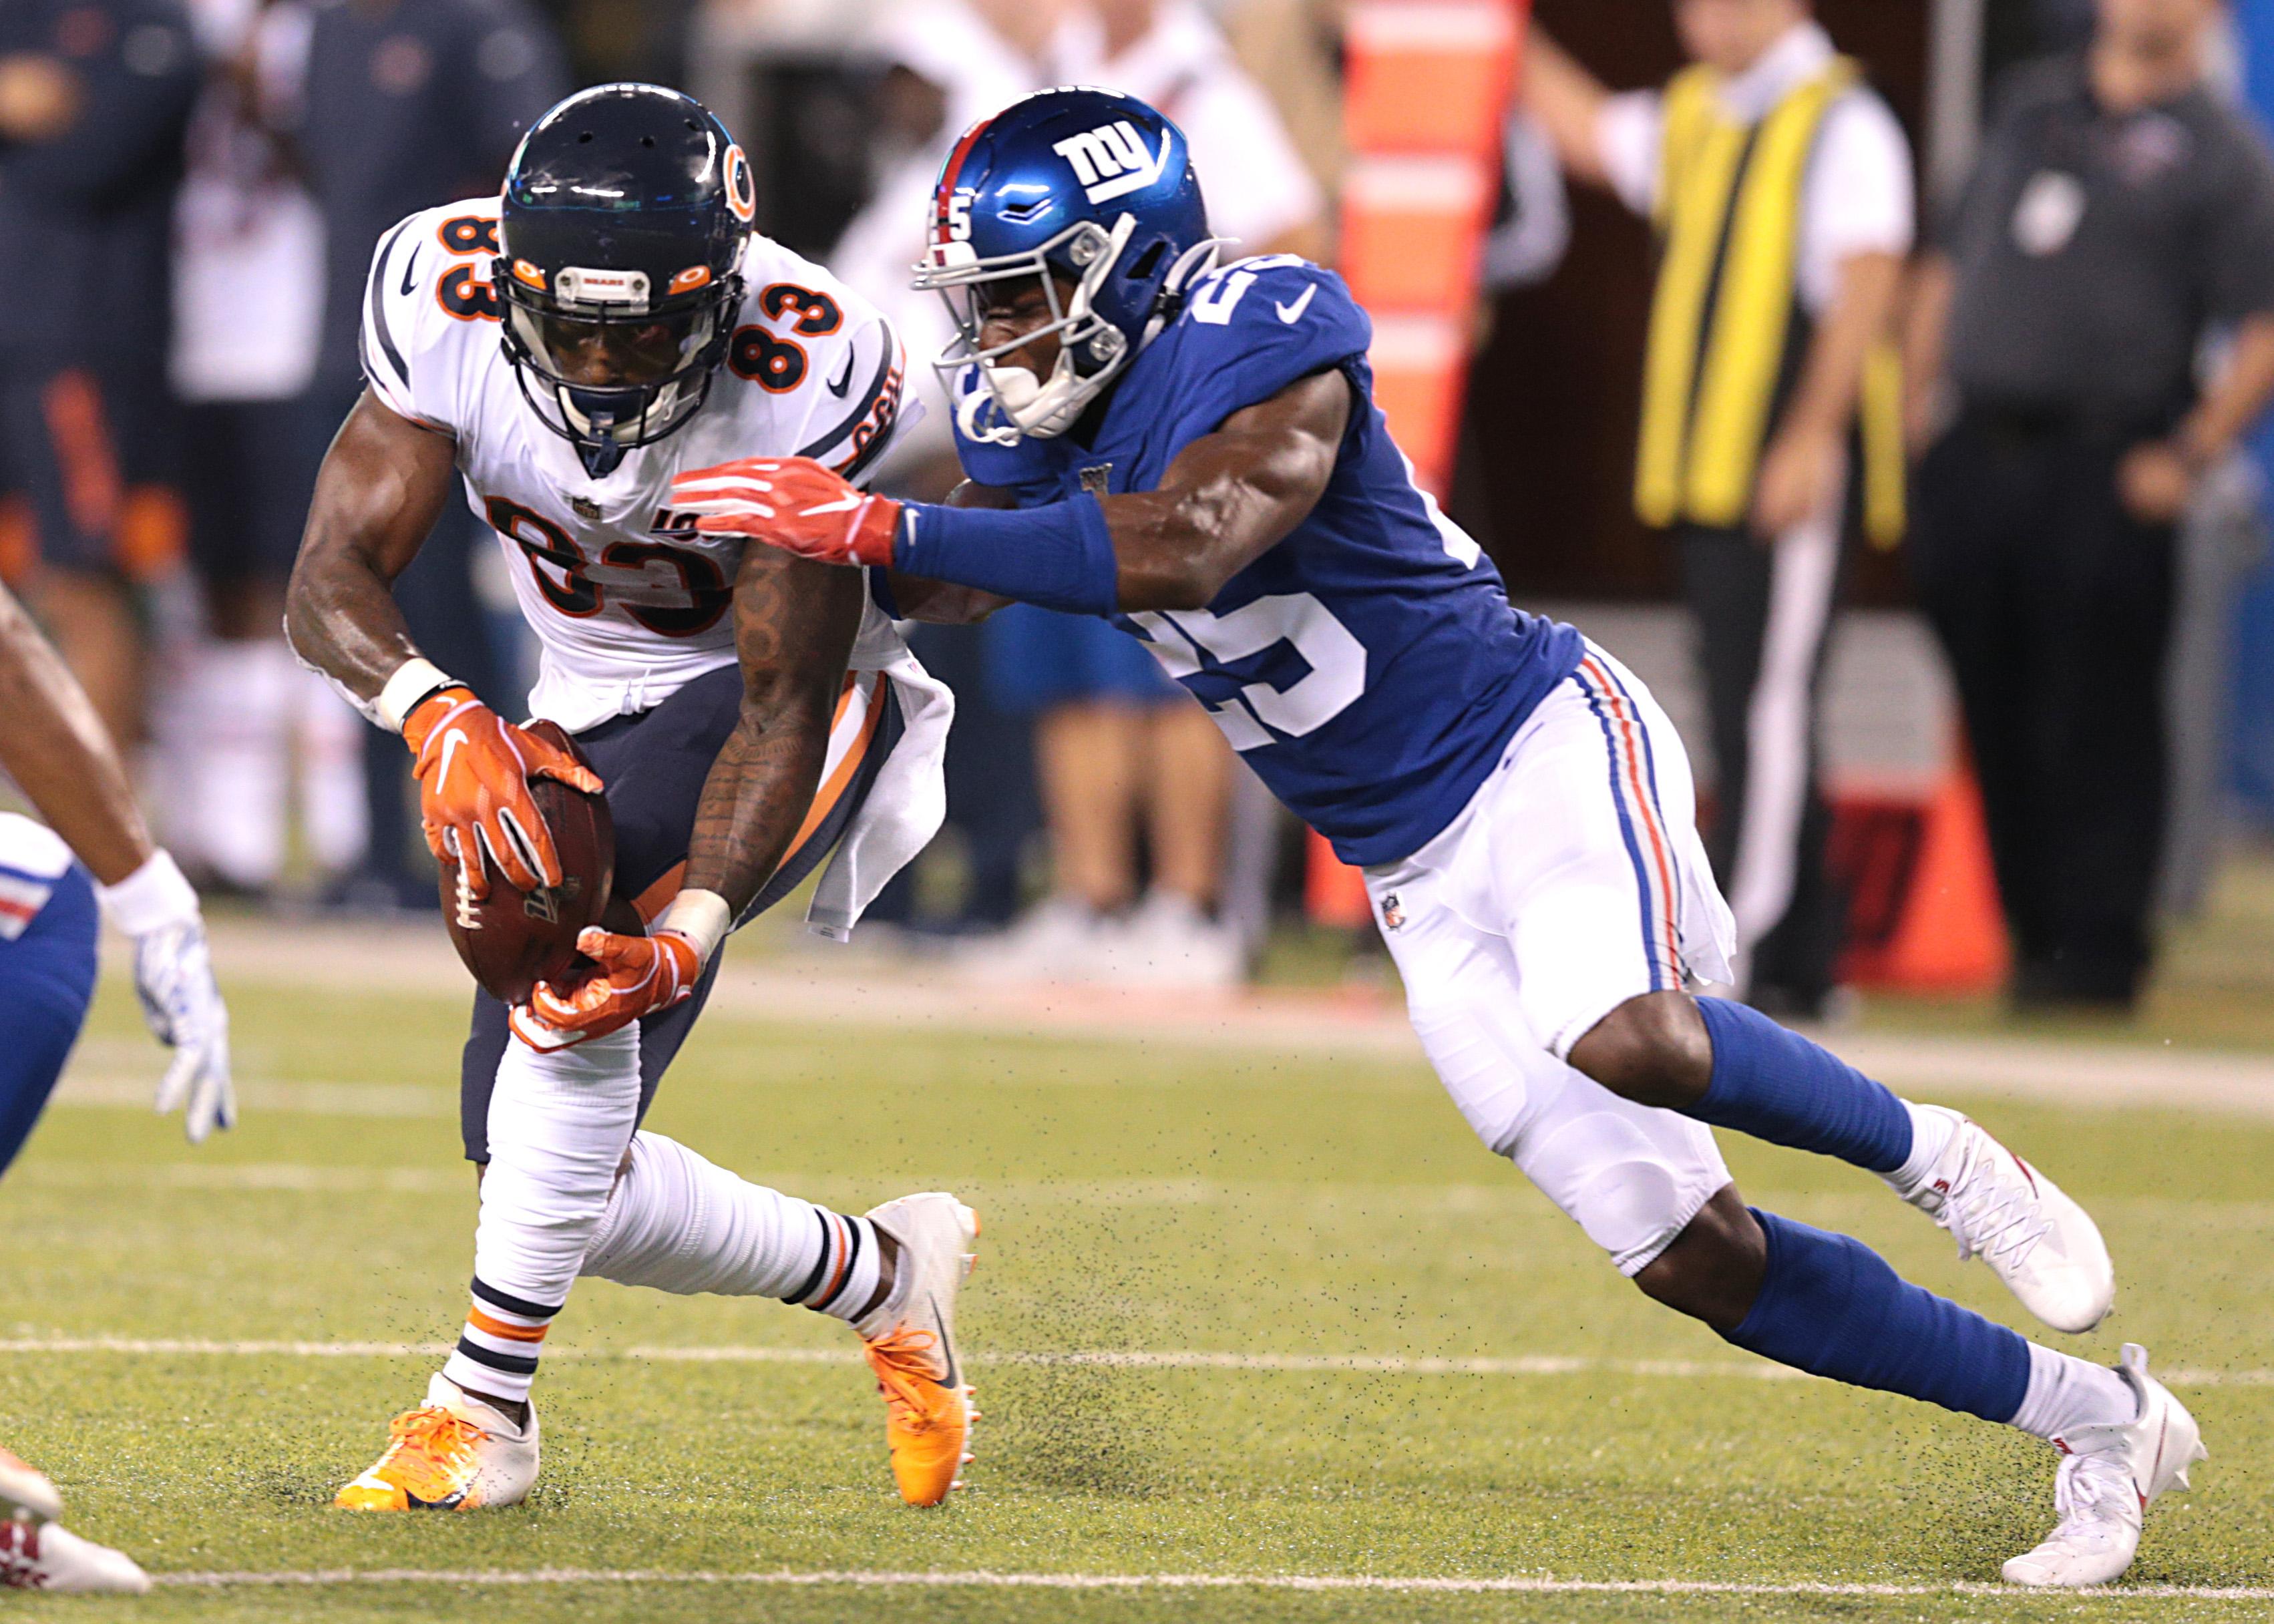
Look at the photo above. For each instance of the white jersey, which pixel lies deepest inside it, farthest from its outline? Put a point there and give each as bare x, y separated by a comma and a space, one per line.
631, 602
628, 602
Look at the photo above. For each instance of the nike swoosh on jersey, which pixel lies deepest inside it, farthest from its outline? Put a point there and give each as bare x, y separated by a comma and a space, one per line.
843, 379
410, 274
1293, 313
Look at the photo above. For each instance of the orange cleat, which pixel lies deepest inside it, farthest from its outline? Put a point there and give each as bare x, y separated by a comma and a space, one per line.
927, 1402
452, 1453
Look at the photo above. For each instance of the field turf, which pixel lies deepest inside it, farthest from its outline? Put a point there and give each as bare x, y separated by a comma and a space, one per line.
1258, 1218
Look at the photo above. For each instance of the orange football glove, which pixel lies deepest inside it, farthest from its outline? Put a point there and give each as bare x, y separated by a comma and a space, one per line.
793, 503
638, 976
473, 771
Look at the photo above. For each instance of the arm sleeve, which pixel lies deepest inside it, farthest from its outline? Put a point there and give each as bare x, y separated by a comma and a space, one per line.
1859, 193
2239, 257
139, 90
1628, 132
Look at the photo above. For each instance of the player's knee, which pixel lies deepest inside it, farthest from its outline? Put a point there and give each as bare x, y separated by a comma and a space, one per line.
1654, 1049
1712, 1271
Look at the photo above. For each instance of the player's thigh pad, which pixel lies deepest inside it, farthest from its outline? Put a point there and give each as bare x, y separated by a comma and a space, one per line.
1630, 1177
1590, 855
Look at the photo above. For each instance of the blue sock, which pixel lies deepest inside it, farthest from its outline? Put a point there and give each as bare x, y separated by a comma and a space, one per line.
1775, 1084
1831, 1306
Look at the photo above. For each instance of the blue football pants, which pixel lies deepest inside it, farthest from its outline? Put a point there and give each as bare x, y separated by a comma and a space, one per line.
47, 980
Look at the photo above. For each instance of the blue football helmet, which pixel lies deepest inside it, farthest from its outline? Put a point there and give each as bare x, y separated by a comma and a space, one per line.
1090, 186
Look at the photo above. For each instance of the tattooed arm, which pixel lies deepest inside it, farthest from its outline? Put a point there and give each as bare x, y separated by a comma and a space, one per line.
795, 623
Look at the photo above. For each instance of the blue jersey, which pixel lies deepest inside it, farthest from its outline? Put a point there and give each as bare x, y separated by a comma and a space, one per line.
1369, 666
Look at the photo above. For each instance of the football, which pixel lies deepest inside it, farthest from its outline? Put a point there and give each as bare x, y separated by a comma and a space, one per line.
513, 939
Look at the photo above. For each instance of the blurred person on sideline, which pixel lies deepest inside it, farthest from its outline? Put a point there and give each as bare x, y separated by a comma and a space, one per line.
1119, 747
238, 367
409, 103
946, 63
93, 96
1780, 185
2117, 213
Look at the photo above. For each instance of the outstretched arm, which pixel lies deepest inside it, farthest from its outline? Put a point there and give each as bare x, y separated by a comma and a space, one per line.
381, 487
794, 625
54, 748
1228, 498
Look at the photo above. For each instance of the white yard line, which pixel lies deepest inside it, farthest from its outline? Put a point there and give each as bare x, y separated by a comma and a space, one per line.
1371, 1582
1355, 1364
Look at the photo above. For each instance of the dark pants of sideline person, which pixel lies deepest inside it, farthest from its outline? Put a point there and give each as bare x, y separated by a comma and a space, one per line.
1763, 614
2054, 606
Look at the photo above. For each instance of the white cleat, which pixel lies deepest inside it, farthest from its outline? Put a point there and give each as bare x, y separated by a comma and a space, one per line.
26, 1491
2110, 1475
912, 1346
2034, 1237
47, 1556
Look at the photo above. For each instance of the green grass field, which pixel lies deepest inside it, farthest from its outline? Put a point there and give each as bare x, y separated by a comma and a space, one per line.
1153, 1199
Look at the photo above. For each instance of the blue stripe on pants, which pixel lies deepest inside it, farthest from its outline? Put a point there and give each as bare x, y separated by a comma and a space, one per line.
47, 979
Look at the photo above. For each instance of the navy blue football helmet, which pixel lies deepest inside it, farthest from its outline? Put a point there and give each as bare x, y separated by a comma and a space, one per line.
1089, 187
625, 214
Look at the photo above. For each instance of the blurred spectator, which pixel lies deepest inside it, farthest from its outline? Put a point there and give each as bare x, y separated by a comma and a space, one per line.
409, 103
1782, 188
1121, 751
947, 65
1293, 50
93, 95
1171, 54
239, 366
2117, 211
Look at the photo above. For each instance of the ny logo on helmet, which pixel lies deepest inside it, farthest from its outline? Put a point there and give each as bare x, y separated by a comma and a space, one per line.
1111, 161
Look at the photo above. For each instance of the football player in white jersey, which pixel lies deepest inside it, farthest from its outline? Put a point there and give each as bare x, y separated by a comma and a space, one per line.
566, 351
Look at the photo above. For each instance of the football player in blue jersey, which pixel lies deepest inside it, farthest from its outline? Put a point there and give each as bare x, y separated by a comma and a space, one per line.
1193, 450
94, 855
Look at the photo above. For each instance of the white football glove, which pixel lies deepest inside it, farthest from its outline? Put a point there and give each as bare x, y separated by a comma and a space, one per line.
173, 978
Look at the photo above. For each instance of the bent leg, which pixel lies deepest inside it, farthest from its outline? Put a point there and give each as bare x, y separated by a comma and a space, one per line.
678, 1222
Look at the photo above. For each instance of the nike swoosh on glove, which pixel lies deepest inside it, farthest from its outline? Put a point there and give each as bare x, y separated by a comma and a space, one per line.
794, 504
636, 976
174, 979
473, 771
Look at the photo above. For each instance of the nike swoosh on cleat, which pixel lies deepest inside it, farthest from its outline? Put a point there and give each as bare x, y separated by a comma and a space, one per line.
843, 379
1293, 313
411, 272
946, 1347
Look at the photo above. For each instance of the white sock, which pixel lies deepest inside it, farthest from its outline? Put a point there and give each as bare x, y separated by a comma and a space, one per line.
2065, 1392
243, 691
558, 1123
680, 1223
1931, 1136
334, 814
